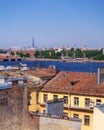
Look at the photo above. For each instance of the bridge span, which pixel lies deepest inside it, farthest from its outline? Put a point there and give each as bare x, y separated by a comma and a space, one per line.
11, 59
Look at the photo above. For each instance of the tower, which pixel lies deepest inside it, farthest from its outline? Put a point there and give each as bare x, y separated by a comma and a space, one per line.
33, 43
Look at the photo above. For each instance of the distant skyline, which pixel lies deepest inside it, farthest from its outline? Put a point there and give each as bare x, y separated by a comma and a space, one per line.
52, 23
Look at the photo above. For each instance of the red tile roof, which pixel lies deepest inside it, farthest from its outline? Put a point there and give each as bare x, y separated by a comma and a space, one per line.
76, 83
42, 72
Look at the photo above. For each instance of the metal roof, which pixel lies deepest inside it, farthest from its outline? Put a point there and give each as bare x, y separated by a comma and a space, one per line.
16, 79
6, 86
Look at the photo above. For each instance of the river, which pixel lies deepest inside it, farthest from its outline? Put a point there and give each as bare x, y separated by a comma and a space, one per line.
63, 66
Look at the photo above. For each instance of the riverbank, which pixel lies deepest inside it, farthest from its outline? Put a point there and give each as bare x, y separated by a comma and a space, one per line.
65, 60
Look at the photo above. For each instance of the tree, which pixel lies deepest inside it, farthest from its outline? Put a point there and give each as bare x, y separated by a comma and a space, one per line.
37, 54
27, 55
21, 54
12, 53
58, 55
79, 53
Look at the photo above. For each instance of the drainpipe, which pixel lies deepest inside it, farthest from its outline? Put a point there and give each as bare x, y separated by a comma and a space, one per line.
70, 104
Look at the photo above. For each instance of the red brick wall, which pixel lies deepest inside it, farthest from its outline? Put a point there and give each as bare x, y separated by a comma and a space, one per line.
13, 116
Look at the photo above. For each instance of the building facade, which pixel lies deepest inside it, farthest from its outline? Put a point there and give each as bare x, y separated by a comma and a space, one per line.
80, 92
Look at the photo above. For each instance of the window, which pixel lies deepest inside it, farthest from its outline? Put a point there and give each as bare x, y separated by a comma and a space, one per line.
4, 101
45, 97
98, 101
65, 114
86, 120
65, 99
87, 102
55, 97
73, 83
44, 111
28, 98
76, 101
75, 116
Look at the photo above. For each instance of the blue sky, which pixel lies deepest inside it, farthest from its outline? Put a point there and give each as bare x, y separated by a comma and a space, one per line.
53, 23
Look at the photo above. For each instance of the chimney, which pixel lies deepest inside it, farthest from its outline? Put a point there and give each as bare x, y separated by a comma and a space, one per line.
91, 73
100, 75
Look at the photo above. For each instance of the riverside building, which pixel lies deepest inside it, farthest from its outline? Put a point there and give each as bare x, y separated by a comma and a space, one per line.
80, 91
18, 90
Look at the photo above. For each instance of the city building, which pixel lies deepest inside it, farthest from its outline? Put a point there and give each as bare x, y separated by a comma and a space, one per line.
16, 89
39, 76
81, 91
98, 119
13, 103
53, 122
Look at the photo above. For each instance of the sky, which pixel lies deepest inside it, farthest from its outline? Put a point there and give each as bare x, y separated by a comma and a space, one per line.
52, 23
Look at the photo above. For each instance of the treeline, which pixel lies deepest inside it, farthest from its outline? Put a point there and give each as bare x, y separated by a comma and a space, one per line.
55, 54
21, 54
72, 53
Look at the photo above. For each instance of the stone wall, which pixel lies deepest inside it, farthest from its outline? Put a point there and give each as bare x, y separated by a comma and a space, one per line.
13, 110
14, 113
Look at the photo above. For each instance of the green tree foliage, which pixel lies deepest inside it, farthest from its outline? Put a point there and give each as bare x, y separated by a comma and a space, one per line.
12, 53
21, 54
64, 52
17, 53
98, 57
94, 54
79, 53
57, 55
37, 54
27, 55
91, 54
2, 51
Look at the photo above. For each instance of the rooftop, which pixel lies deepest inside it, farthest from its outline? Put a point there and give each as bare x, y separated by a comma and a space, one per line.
54, 116
32, 77
42, 72
100, 107
75, 83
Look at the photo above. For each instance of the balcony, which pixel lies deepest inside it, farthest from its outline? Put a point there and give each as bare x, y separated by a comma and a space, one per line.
42, 103
79, 108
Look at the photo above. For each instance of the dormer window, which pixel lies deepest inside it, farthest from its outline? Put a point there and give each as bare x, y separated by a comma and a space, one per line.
73, 83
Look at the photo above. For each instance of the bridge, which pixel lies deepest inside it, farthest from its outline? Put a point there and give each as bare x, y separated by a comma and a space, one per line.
11, 59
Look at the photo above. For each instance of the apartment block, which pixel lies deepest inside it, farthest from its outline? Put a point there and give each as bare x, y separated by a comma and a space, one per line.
80, 91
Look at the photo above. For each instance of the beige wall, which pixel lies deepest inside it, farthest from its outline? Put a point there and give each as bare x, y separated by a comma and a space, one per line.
47, 123
98, 121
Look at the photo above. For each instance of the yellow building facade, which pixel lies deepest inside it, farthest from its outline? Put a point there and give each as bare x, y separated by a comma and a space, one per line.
79, 91
75, 106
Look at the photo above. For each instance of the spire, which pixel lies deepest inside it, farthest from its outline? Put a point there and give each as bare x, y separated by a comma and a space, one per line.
33, 42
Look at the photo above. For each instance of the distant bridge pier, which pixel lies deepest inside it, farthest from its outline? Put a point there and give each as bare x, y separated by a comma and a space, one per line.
11, 59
